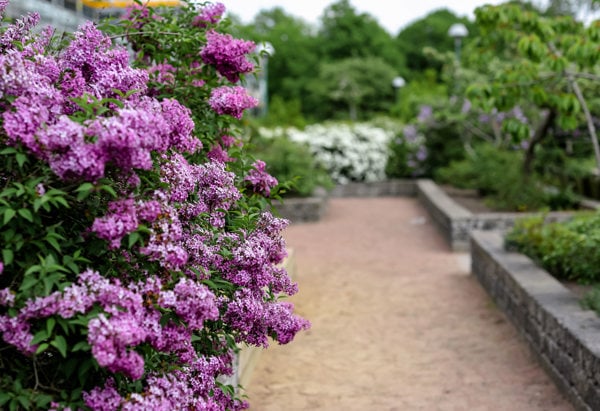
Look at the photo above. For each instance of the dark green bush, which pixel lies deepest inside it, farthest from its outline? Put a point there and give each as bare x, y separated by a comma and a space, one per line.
497, 174
568, 250
292, 164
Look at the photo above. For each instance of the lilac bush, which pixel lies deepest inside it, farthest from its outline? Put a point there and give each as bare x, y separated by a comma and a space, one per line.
136, 249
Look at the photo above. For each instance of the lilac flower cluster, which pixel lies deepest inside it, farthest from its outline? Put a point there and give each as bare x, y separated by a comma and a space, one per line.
261, 181
227, 54
124, 139
209, 14
231, 101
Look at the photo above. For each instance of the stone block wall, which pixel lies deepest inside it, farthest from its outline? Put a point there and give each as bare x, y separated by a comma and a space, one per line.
456, 222
565, 338
405, 188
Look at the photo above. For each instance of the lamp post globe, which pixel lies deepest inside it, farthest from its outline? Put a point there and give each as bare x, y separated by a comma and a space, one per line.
458, 31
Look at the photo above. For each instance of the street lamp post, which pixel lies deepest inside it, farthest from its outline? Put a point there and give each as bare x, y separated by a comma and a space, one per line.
264, 50
458, 31
398, 83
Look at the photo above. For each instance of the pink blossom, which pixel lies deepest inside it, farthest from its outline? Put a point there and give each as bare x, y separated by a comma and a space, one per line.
261, 181
210, 14
228, 55
231, 100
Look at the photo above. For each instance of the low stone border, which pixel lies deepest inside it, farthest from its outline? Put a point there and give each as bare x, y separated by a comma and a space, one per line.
564, 337
456, 222
302, 210
406, 188
309, 209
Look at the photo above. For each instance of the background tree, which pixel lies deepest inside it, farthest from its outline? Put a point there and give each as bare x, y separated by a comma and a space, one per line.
358, 86
430, 31
546, 63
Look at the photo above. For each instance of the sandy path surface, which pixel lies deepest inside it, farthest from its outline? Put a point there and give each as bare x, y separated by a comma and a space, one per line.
397, 324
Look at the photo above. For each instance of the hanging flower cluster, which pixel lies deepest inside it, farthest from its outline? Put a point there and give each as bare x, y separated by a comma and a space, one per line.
130, 266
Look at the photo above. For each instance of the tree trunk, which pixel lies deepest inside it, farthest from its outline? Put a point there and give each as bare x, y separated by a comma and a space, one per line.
538, 136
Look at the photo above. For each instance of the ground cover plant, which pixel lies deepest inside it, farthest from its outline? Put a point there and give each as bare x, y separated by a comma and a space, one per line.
568, 250
136, 252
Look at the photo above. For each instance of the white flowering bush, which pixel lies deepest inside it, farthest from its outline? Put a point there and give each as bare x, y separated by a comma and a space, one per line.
349, 152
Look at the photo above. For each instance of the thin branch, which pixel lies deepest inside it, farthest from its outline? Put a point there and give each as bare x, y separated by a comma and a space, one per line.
139, 33
586, 111
587, 76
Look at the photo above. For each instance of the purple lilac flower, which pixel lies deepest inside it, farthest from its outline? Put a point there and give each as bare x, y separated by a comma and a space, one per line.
231, 100
181, 126
410, 133
3, 5
229, 141
228, 55
19, 31
425, 113
110, 339
7, 297
210, 14
217, 153
284, 323
466, 107
191, 301
260, 181
120, 220
110, 69
106, 398
421, 154
17, 332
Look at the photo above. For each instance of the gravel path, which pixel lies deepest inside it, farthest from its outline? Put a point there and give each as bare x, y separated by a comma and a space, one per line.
397, 324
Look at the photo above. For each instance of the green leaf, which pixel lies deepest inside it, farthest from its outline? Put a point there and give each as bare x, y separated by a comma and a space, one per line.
7, 256
42, 400
84, 190
60, 344
81, 346
9, 213
21, 159
133, 238
4, 397
109, 190
41, 348
50, 323
52, 241
8, 150
28, 282
40, 336
26, 214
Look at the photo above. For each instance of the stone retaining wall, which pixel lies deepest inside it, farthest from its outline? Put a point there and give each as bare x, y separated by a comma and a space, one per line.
563, 336
406, 188
456, 222
302, 210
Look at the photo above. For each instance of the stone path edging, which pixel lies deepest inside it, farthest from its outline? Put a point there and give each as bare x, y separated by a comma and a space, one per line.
548, 315
456, 222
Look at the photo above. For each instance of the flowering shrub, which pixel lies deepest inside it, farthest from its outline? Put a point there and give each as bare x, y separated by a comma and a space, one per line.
408, 153
356, 152
132, 261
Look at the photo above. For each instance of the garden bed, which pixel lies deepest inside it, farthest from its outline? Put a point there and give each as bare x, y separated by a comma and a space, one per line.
456, 221
563, 336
